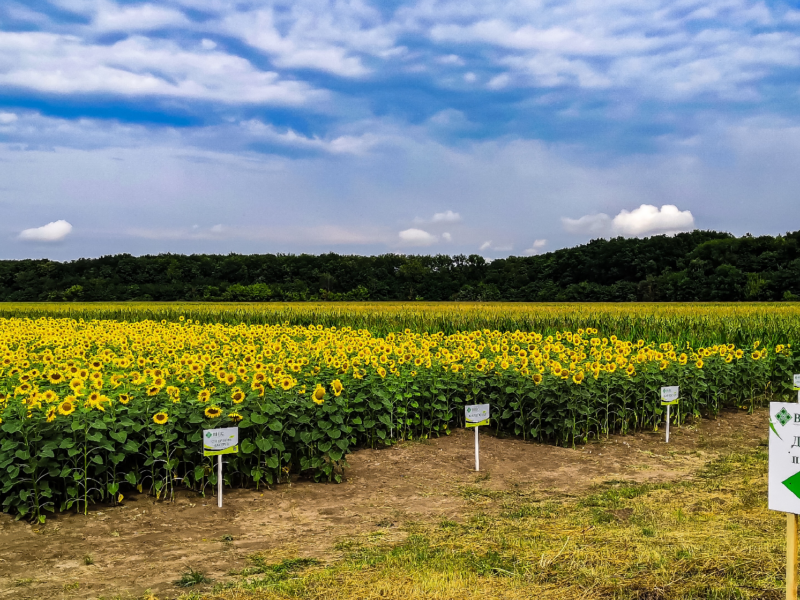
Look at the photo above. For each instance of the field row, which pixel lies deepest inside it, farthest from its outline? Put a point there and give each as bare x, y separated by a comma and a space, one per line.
700, 324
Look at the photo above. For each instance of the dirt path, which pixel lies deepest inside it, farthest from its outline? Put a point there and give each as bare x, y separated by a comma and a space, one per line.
147, 545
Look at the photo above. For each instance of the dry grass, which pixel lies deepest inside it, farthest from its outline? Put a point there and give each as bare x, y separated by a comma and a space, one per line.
710, 537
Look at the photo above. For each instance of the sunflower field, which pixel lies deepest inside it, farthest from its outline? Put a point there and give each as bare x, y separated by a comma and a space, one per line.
91, 409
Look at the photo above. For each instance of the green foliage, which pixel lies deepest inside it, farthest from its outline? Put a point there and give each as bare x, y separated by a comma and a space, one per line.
697, 266
192, 577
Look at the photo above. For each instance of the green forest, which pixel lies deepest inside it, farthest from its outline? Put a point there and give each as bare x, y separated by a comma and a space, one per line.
696, 266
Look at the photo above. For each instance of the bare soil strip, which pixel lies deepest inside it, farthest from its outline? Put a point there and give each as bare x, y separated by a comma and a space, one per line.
146, 545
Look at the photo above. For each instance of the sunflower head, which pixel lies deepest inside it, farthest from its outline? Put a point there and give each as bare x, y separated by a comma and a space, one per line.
319, 395
212, 412
124, 398
337, 387
51, 414
537, 378
67, 407
160, 418
235, 417
699, 363
237, 396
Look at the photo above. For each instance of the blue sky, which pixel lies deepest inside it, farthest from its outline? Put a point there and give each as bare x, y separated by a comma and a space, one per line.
430, 126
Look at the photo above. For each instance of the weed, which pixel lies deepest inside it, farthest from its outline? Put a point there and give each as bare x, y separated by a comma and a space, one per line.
192, 577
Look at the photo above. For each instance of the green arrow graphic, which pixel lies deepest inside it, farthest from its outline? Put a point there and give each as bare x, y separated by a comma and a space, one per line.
793, 484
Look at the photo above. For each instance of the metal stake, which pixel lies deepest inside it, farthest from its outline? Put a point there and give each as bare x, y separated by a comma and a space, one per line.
477, 451
668, 406
219, 480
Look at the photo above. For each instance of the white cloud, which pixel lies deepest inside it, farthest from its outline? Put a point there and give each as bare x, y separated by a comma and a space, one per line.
6, 118
599, 224
470, 77
208, 44
654, 47
416, 237
139, 66
344, 144
315, 38
535, 248
141, 17
450, 59
52, 232
499, 81
554, 39
486, 245
446, 217
647, 219
447, 237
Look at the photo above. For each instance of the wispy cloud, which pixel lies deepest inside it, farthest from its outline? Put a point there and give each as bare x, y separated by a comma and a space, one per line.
139, 66
535, 248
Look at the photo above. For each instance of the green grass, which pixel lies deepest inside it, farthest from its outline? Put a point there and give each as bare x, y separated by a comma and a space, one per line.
709, 537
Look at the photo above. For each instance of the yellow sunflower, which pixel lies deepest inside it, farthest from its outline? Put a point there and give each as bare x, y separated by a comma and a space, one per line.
160, 418
235, 417
212, 412
237, 396
337, 387
67, 407
319, 395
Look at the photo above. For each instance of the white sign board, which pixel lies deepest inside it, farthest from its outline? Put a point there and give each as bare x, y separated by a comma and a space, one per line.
797, 382
477, 414
220, 441
784, 457
669, 395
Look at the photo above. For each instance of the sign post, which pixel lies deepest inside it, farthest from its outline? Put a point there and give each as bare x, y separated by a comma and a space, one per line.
797, 386
669, 396
217, 442
784, 478
475, 416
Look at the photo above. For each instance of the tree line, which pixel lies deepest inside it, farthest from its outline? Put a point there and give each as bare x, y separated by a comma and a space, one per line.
695, 266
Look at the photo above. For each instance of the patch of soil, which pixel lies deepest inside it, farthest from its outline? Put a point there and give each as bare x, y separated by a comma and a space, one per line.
147, 545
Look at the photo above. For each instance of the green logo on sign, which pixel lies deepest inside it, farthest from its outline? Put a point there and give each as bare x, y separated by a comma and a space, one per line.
783, 416
793, 484
208, 435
